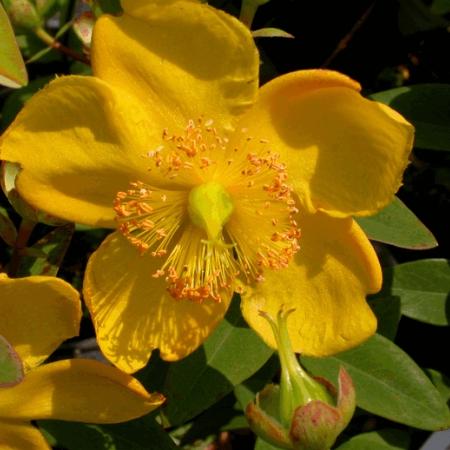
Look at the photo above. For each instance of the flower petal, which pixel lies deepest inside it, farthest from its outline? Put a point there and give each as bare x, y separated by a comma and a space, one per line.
326, 284
37, 314
133, 313
78, 390
21, 436
79, 142
345, 154
180, 58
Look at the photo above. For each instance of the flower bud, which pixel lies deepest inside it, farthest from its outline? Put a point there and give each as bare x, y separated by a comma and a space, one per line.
8, 175
23, 14
302, 413
83, 26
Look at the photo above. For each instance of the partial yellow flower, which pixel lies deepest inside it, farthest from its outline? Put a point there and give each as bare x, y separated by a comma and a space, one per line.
37, 314
211, 183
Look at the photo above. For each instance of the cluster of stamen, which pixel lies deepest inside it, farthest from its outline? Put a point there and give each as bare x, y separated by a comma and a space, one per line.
190, 157
260, 234
264, 193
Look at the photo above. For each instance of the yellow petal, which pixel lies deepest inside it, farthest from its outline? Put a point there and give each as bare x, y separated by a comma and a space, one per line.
345, 154
133, 313
79, 142
21, 436
79, 390
37, 314
327, 282
180, 58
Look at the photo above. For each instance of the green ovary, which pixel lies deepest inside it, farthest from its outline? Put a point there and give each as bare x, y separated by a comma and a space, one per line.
210, 207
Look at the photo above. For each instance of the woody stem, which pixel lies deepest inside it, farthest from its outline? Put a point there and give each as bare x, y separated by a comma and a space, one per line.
23, 235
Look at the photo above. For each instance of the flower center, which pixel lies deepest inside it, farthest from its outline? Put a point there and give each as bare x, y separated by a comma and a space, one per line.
228, 213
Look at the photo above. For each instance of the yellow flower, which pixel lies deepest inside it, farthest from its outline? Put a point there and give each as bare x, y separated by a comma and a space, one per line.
211, 183
37, 314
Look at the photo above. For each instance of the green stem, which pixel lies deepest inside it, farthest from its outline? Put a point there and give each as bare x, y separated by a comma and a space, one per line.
297, 388
54, 43
23, 235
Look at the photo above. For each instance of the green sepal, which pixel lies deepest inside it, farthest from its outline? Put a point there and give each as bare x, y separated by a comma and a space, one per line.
263, 417
8, 174
11, 367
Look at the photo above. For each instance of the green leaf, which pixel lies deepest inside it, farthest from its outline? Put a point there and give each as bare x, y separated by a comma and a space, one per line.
261, 444
441, 382
11, 369
271, 32
8, 231
13, 73
423, 288
16, 99
229, 356
49, 251
140, 434
106, 7
388, 383
388, 439
440, 7
387, 310
41, 53
224, 415
397, 225
414, 16
246, 391
426, 107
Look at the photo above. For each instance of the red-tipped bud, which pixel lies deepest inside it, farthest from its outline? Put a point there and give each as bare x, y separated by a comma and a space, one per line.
303, 413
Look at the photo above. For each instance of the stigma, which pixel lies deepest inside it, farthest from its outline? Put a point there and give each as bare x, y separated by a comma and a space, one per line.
228, 215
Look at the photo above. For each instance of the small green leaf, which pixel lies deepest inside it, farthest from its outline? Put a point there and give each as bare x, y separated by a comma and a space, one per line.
13, 73
8, 231
397, 225
140, 434
388, 383
47, 254
426, 107
388, 439
423, 288
248, 10
41, 53
441, 382
229, 356
387, 310
271, 32
11, 369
